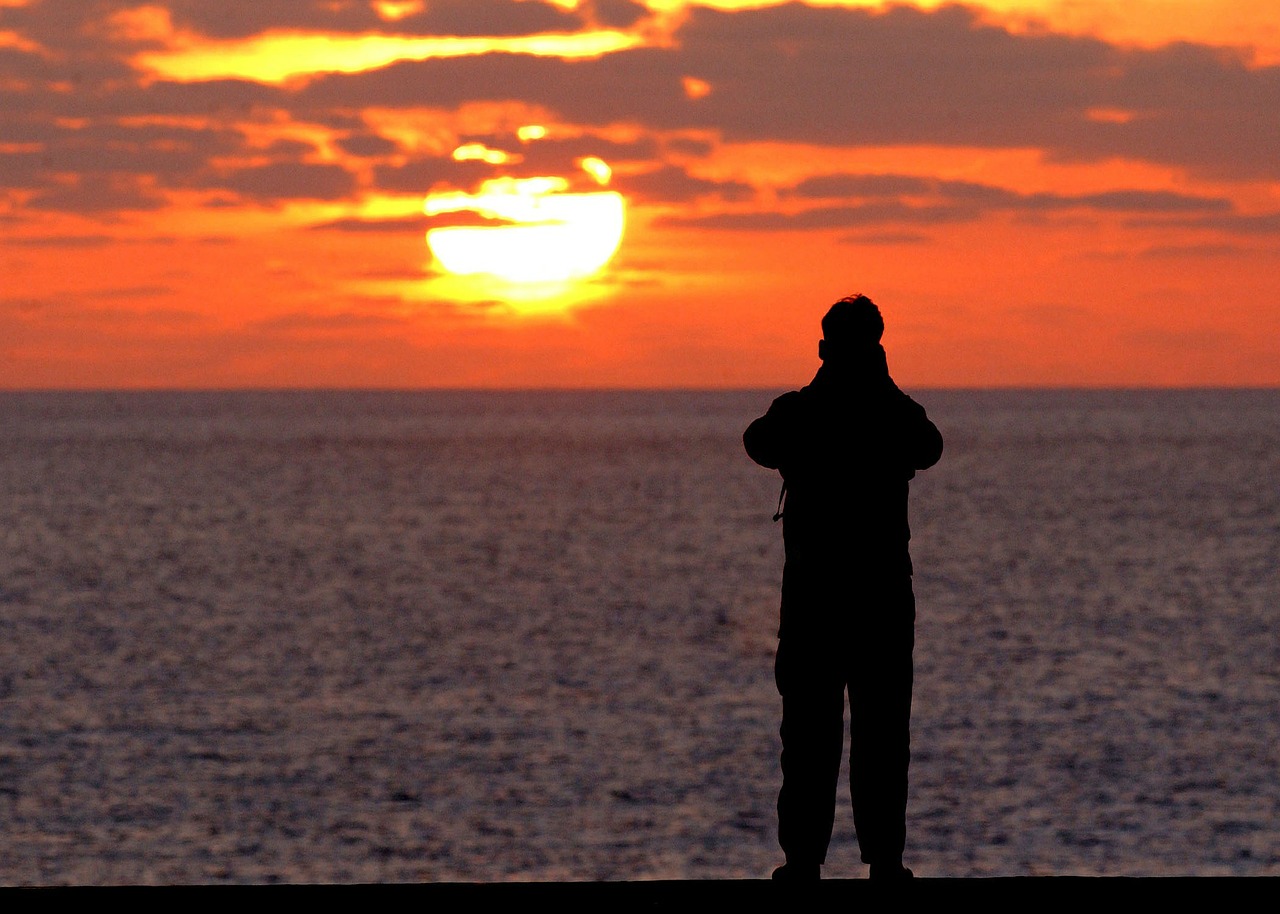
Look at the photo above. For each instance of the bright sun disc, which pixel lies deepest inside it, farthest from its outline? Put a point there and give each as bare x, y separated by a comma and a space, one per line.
554, 236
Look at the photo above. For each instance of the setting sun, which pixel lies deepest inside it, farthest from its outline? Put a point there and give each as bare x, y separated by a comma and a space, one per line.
548, 235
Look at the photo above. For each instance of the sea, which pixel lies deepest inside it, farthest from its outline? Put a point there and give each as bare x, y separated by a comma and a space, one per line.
404, 637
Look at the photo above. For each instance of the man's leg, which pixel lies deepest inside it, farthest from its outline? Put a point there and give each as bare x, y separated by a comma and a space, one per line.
812, 731
880, 680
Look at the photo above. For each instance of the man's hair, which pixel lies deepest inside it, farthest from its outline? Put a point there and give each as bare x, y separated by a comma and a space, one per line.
854, 320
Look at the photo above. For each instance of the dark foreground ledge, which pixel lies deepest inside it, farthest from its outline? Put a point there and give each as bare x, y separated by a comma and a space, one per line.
741, 894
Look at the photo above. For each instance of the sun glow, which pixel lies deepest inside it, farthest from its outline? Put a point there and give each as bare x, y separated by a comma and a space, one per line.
550, 236
275, 57
395, 10
597, 168
471, 152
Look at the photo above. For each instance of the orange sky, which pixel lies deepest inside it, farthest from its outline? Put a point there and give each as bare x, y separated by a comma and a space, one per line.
1037, 193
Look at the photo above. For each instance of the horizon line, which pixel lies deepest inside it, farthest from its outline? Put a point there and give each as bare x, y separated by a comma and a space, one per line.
966, 388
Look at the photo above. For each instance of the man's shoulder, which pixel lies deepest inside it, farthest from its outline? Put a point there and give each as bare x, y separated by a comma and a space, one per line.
790, 400
905, 403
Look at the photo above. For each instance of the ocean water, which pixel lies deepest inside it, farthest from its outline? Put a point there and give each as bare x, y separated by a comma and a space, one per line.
376, 637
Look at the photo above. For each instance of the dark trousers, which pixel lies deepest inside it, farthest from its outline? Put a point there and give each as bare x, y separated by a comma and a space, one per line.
868, 654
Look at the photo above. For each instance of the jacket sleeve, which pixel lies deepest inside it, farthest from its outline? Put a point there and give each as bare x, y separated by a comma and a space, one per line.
767, 438
921, 439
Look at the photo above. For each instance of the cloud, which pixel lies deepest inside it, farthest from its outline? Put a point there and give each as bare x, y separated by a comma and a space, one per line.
1239, 224
553, 155
1131, 201
84, 130
881, 199
672, 184
438, 17
366, 144
96, 193
82, 30
23, 170
850, 77
61, 241
355, 224
1231, 223
825, 217
287, 180
884, 238
698, 149
101, 164
419, 175
103, 143
1191, 251
410, 223
614, 14
52, 312
107, 146
863, 185
550, 156
845, 77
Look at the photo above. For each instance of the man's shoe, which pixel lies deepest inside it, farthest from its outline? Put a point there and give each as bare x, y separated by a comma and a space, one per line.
887, 872
798, 872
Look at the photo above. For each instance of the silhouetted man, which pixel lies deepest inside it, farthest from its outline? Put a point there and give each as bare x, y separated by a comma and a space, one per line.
846, 446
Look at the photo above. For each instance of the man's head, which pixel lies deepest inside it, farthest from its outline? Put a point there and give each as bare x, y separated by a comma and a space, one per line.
852, 324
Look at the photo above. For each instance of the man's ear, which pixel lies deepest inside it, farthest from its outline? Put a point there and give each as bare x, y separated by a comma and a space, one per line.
822, 350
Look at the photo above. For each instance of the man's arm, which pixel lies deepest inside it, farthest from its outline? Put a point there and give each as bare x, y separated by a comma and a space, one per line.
921, 439
767, 438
